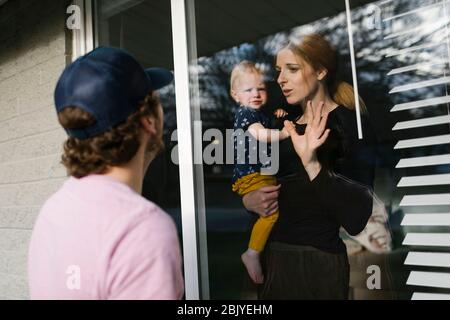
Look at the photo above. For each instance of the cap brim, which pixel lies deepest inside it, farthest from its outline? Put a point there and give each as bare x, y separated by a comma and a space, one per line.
159, 77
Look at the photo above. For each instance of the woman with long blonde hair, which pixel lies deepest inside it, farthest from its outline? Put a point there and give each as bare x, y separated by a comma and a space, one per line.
325, 178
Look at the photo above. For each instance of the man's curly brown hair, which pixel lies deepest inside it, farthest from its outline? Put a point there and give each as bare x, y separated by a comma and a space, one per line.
115, 147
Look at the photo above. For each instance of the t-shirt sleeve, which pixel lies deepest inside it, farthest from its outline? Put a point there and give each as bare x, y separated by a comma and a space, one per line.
359, 157
146, 263
349, 202
345, 188
244, 118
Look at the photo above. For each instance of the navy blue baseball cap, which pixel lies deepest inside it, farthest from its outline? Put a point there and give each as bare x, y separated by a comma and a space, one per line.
109, 84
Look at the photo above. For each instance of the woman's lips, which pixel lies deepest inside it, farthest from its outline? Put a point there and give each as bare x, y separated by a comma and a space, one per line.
286, 92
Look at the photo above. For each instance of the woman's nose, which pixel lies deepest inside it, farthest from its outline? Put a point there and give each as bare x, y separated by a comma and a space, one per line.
281, 79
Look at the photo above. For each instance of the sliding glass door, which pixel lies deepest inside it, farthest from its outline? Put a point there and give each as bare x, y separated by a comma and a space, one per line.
395, 53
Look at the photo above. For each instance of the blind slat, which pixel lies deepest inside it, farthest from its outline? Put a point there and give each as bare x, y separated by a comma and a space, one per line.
427, 239
428, 259
418, 66
397, 52
420, 84
425, 180
419, 10
437, 199
425, 122
431, 26
423, 161
430, 296
429, 279
426, 219
420, 103
423, 142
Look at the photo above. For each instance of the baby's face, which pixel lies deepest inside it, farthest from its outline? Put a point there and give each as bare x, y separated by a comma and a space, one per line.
250, 91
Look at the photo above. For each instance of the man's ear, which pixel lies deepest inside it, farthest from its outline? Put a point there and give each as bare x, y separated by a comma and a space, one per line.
149, 124
321, 74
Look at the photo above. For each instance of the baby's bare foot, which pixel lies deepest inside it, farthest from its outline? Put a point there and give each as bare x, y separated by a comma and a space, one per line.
250, 258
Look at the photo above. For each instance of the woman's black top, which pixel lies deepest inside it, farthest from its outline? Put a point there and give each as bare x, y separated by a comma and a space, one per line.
312, 212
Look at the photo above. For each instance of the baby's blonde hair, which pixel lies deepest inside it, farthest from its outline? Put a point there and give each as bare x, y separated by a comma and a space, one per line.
241, 68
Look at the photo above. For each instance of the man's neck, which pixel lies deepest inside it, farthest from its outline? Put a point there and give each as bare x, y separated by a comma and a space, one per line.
131, 174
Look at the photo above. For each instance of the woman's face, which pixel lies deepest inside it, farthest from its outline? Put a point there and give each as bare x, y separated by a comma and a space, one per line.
298, 80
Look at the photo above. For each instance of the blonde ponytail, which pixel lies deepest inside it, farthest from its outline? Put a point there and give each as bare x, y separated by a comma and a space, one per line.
342, 93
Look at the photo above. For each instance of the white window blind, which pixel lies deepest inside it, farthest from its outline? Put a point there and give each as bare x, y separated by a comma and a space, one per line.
416, 36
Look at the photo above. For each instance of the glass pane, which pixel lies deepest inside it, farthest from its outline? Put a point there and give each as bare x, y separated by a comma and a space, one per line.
226, 36
143, 28
402, 59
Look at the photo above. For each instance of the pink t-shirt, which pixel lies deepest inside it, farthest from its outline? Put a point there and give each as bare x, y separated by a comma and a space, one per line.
96, 238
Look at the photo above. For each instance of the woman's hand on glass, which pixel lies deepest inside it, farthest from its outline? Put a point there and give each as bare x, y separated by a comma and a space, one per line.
315, 134
263, 201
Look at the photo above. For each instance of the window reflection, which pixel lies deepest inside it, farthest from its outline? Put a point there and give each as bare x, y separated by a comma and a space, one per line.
139, 27
397, 54
402, 58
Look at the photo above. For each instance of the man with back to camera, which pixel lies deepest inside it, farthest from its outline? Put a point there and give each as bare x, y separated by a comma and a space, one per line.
97, 237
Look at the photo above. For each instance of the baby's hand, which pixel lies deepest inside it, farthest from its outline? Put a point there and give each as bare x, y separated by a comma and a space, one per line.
280, 113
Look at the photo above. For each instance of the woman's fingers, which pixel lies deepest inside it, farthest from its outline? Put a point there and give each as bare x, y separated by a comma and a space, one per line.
269, 193
382, 241
317, 114
260, 200
323, 123
314, 118
272, 208
270, 188
324, 137
309, 113
382, 233
268, 199
290, 127
318, 123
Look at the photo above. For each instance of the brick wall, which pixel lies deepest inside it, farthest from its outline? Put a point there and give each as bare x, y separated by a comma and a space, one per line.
33, 52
